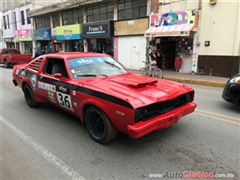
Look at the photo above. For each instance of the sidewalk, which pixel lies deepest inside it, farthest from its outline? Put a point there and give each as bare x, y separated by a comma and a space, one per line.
192, 79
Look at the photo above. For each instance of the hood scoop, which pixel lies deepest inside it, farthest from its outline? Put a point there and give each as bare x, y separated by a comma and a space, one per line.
136, 83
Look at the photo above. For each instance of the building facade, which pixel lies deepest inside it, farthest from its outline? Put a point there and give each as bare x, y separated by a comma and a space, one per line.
212, 51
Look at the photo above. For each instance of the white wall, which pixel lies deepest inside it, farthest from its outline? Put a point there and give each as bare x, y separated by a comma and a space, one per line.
19, 19
8, 33
174, 5
220, 26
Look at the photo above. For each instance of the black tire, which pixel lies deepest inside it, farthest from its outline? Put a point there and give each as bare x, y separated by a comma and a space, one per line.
143, 71
7, 64
29, 97
99, 126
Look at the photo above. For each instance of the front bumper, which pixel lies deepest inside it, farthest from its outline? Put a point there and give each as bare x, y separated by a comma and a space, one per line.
160, 122
231, 93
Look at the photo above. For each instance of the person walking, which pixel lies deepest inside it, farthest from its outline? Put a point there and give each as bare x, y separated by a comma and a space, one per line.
43, 50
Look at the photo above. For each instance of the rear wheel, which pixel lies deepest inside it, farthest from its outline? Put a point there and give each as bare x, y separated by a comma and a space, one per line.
7, 64
99, 126
157, 73
29, 97
143, 71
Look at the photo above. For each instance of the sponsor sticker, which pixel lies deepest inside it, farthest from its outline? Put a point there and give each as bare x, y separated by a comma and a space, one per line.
48, 87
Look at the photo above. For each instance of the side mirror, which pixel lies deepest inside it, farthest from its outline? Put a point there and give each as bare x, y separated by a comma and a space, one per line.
57, 75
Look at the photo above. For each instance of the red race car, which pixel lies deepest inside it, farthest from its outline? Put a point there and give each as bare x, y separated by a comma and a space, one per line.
103, 94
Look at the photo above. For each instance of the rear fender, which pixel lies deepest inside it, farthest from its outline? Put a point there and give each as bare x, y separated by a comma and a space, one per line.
37, 97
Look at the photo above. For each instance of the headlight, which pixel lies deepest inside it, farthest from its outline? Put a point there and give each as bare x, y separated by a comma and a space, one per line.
235, 80
187, 97
137, 114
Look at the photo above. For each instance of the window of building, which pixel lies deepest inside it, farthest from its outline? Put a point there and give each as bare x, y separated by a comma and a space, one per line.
8, 24
56, 20
43, 22
23, 18
100, 12
15, 20
132, 9
28, 19
72, 17
4, 22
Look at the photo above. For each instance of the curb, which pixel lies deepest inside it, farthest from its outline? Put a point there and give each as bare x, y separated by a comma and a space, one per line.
199, 82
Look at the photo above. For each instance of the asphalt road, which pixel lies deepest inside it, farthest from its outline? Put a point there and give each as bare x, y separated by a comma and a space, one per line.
47, 143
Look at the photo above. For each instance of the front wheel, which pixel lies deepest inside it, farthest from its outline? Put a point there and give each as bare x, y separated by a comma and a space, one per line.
29, 97
157, 73
99, 126
143, 71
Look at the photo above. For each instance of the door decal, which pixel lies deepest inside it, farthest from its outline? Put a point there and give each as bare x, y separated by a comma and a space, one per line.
65, 100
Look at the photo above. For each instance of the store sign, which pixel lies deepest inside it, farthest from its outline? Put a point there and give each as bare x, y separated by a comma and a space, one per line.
8, 40
99, 29
172, 18
42, 34
23, 35
70, 32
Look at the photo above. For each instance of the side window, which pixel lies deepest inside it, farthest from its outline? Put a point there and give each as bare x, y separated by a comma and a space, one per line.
54, 65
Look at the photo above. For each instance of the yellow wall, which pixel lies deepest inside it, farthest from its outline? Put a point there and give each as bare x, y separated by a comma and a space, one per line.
131, 27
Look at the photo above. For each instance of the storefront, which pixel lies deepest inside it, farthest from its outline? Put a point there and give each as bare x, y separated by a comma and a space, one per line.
43, 39
130, 42
24, 38
99, 36
9, 42
174, 36
70, 37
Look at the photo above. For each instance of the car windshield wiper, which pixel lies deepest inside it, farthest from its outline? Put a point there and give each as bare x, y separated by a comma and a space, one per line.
103, 75
113, 65
87, 75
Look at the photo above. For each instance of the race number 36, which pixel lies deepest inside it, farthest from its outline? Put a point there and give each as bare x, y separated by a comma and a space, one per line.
64, 100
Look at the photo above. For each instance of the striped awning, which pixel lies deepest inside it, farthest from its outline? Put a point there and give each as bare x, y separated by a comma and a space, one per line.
175, 30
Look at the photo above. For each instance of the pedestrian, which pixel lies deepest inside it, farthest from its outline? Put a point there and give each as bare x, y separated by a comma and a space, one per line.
36, 55
159, 58
43, 50
46, 50
178, 63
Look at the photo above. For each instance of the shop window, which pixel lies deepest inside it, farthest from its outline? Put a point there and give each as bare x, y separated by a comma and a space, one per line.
132, 9
15, 20
72, 17
56, 20
100, 12
43, 22
5, 22
28, 19
23, 18
8, 24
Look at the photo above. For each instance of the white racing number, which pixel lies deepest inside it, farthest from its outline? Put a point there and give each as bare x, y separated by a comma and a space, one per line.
64, 100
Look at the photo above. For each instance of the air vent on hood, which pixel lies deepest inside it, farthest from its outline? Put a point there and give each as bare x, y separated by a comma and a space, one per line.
135, 82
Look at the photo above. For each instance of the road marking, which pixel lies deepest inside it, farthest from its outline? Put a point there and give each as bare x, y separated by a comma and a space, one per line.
50, 157
221, 115
217, 118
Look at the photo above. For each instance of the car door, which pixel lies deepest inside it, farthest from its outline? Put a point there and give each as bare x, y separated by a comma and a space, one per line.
54, 88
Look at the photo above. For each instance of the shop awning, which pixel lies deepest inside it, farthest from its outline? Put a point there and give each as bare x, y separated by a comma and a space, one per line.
175, 30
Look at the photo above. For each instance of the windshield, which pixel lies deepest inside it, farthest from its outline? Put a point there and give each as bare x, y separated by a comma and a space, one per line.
94, 66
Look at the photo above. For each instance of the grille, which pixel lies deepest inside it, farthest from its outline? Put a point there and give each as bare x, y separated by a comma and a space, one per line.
156, 109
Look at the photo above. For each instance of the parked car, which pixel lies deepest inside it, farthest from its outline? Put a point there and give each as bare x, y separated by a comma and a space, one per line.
103, 94
231, 91
10, 57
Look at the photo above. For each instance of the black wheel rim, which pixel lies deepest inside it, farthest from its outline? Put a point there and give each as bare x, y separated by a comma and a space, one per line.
27, 96
97, 124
